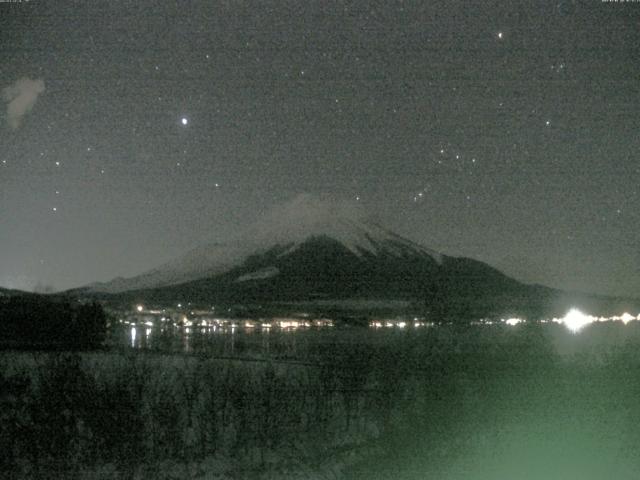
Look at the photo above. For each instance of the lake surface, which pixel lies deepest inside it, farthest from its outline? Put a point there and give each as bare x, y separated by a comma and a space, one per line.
303, 343
283, 343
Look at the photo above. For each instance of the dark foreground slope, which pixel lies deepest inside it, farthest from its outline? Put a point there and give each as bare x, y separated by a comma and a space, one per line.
483, 403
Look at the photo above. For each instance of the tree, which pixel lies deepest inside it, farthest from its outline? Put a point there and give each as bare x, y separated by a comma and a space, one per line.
36, 321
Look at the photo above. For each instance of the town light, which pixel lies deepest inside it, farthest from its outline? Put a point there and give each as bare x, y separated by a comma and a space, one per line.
575, 320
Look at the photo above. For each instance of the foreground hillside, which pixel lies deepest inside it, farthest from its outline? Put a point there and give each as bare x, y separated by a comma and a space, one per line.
484, 403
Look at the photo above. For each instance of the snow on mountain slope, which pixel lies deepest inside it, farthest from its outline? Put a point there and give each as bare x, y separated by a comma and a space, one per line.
201, 262
307, 216
288, 225
261, 274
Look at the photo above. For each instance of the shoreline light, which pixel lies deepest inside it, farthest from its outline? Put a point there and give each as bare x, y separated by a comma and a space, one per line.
575, 320
513, 321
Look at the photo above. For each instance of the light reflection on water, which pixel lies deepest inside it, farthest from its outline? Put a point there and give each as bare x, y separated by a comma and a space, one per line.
286, 337
133, 336
229, 340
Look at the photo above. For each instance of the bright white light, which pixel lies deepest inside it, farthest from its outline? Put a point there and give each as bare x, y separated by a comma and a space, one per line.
184, 121
500, 35
139, 308
575, 320
513, 321
626, 317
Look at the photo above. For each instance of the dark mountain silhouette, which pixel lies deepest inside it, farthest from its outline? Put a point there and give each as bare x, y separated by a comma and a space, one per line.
311, 251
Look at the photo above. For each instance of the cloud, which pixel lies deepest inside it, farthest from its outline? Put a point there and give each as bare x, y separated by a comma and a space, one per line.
20, 98
304, 215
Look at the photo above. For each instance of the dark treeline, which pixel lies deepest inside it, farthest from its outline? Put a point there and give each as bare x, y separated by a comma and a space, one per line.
35, 321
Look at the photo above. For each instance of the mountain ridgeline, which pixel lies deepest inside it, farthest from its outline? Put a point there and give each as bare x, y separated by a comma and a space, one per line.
315, 253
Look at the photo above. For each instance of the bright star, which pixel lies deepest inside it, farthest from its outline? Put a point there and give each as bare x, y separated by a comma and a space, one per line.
184, 121
500, 35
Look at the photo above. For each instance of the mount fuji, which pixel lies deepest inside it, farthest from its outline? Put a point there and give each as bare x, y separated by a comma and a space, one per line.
312, 249
289, 231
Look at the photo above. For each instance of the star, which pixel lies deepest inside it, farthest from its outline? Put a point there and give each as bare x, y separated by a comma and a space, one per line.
184, 121
500, 35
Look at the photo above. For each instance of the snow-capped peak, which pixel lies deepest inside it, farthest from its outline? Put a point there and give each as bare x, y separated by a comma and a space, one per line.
309, 216
288, 225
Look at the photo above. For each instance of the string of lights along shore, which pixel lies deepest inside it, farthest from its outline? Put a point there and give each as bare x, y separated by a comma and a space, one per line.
132, 132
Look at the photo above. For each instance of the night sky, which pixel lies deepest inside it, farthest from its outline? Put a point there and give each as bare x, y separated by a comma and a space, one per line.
506, 131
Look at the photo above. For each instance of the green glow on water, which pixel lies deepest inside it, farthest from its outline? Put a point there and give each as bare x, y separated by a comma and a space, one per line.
558, 449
